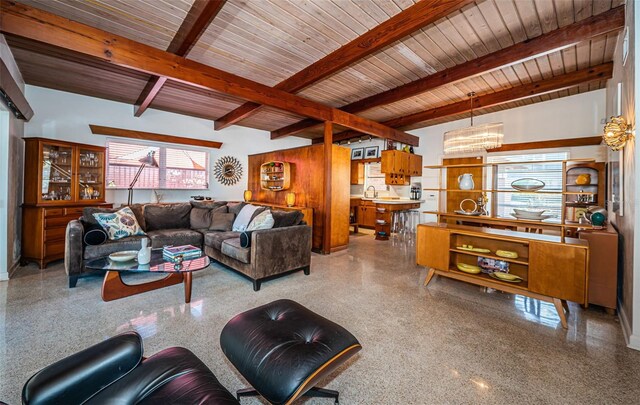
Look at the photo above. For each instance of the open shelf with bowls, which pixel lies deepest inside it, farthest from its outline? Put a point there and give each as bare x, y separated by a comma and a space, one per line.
584, 171
275, 176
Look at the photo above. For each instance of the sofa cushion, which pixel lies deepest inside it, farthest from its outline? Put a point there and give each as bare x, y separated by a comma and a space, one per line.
94, 234
209, 204
286, 218
175, 237
264, 220
214, 239
87, 214
112, 246
243, 219
138, 211
167, 216
232, 248
222, 221
236, 207
119, 224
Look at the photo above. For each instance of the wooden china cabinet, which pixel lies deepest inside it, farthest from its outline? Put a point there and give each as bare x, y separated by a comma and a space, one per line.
60, 179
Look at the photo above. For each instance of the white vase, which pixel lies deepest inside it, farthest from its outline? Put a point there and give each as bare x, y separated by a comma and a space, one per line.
465, 181
144, 255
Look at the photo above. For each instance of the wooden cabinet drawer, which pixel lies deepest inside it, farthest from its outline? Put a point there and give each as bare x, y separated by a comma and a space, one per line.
55, 234
53, 212
75, 211
58, 221
54, 248
367, 203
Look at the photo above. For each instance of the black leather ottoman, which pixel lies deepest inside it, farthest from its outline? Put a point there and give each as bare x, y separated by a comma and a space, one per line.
283, 349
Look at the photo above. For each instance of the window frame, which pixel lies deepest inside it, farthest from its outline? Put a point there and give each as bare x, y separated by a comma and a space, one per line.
161, 159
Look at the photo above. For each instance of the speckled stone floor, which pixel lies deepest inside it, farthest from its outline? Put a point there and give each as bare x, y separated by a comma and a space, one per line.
448, 343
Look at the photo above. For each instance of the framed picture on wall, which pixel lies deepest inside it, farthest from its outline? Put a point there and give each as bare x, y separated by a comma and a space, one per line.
357, 153
371, 152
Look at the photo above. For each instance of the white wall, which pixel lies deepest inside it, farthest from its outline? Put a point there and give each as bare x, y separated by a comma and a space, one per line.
66, 116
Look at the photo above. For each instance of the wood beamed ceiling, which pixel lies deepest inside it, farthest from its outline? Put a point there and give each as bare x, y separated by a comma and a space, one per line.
397, 63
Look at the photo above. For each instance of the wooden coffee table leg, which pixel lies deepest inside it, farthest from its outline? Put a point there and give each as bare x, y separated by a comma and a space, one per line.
187, 287
114, 288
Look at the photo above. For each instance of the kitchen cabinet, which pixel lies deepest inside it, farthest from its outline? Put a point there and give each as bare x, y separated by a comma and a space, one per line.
395, 161
415, 165
367, 214
393, 179
357, 172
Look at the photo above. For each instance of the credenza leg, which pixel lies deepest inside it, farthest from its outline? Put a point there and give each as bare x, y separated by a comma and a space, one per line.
430, 275
560, 309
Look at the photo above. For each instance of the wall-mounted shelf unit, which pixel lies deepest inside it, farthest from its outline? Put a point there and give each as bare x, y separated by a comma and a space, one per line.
275, 176
449, 195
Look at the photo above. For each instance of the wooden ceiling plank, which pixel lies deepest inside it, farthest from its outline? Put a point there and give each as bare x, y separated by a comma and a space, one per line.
562, 38
195, 23
37, 25
567, 81
392, 30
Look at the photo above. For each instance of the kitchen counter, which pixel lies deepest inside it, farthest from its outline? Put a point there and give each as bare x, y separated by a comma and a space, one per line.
397, 201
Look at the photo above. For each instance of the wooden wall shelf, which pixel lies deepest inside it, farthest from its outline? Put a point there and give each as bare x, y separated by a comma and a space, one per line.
275, 176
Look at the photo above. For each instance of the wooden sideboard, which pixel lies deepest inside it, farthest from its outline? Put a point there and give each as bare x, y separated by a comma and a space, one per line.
60, 179
551, 271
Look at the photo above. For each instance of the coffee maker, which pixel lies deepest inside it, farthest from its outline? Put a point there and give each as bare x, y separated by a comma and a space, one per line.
416, 192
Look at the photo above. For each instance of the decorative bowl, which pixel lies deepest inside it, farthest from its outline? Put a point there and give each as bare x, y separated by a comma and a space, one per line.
469, 213
507, 254
530, 213
124, 256
532, 217
528, 184
468, 268
510, 278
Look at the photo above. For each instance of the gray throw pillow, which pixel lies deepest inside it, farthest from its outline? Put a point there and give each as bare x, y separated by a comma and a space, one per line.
210, 204
200, 218
286, 218
222, 221
167, 216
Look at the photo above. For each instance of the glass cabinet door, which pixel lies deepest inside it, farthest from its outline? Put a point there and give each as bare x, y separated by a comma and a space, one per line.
57, 173
90, 174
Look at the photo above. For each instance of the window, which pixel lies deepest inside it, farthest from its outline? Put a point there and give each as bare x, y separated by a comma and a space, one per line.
550, 173
374, 177
178, 168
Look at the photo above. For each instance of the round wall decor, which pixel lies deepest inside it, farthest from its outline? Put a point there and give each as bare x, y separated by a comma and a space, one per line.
227, 170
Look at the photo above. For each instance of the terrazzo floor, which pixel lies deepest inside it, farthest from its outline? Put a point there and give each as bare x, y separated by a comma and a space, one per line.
450, 343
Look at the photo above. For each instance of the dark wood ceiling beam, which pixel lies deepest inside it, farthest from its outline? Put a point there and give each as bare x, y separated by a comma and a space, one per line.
397, 27
193, 26
151, 136
37, 25
570, 35
12, 96
600, 72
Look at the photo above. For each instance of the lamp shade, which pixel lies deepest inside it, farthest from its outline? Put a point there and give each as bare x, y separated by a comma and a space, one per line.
247, 195
150, 159
474, 138
290, 198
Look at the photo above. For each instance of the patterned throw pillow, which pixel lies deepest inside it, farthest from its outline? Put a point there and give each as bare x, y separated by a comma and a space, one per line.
119, 224
264, 220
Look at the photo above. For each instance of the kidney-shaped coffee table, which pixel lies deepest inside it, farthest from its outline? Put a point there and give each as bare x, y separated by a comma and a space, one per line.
114, 288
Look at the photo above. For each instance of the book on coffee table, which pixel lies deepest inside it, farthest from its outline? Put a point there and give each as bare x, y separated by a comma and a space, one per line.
186, 251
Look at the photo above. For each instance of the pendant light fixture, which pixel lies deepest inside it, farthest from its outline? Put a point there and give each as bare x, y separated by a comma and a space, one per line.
473, 138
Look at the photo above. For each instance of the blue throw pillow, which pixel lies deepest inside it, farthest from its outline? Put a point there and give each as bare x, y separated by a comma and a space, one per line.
119, 224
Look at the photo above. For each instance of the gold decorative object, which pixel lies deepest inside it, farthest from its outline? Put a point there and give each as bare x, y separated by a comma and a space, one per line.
468, 268
507, 254
583, 179
247, 195
616, 133
290, 198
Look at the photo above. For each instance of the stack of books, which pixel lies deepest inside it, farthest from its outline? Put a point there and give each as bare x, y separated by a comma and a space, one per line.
188, 252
